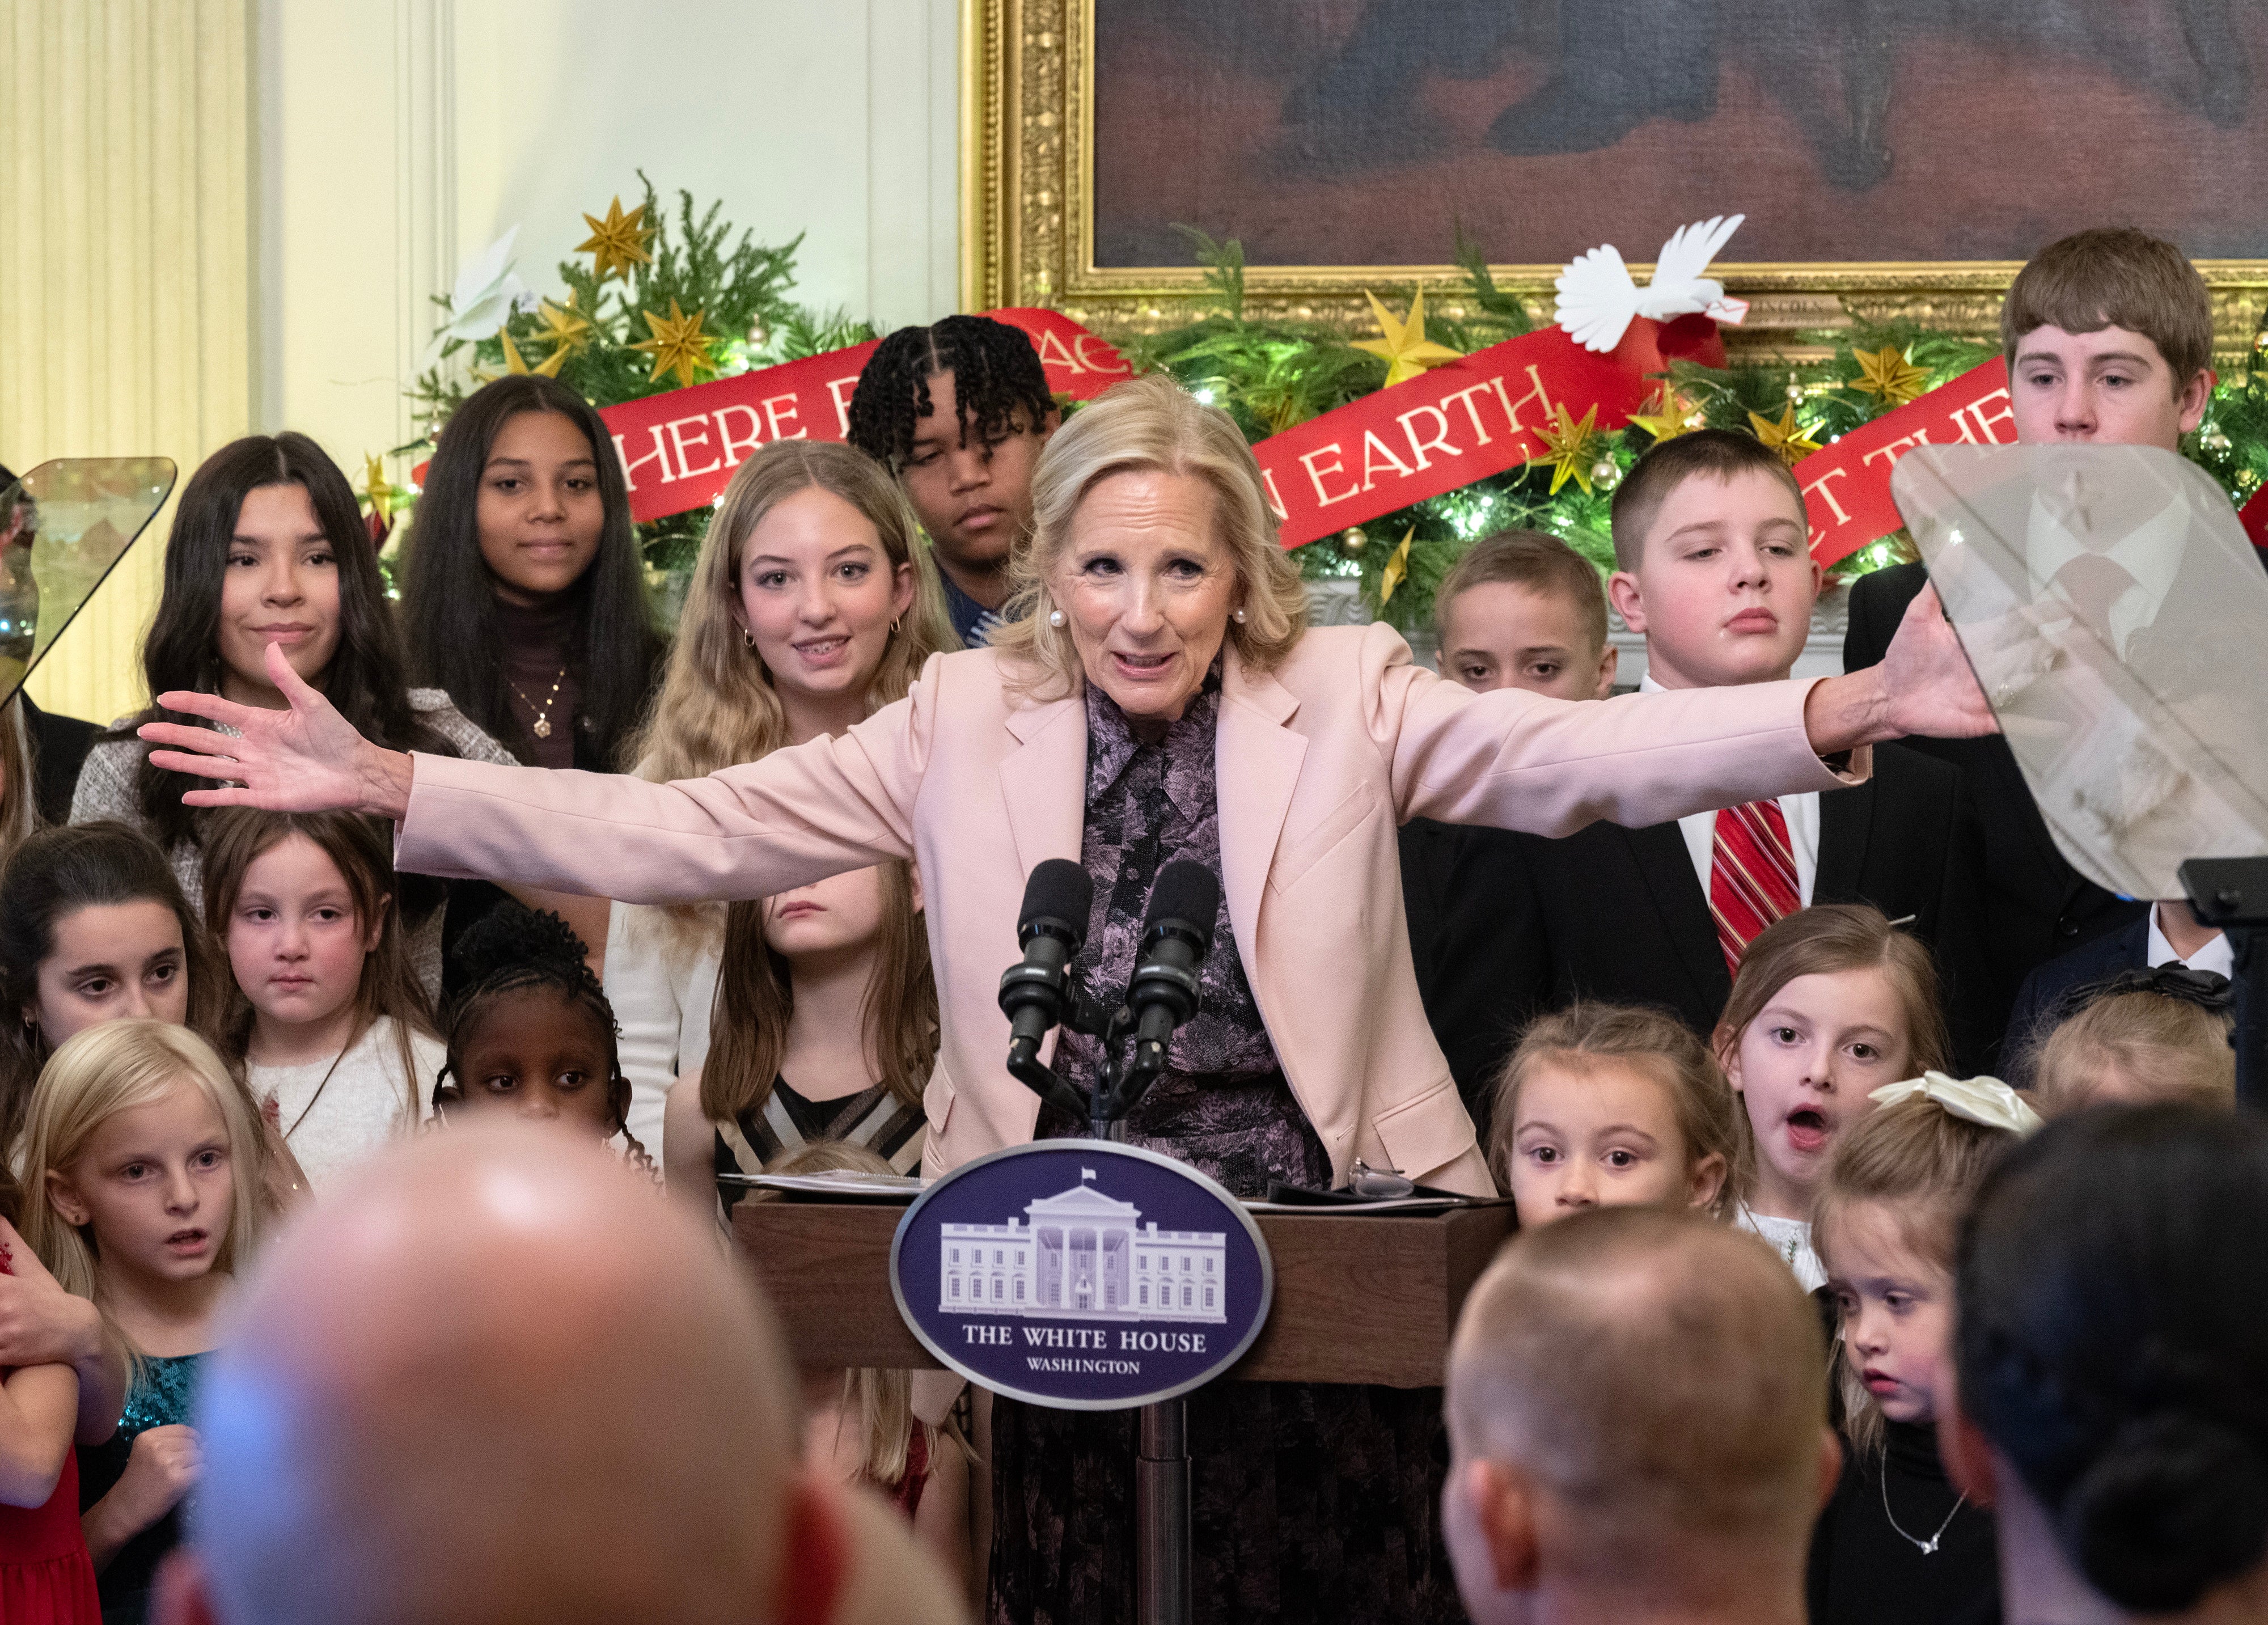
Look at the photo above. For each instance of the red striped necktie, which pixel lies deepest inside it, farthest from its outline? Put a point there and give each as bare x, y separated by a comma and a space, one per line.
1752, 879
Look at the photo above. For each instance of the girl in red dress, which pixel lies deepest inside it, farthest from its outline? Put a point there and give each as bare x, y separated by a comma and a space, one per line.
45, 1577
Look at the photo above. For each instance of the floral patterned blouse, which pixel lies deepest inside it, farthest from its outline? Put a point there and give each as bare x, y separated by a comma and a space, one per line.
1223, 1103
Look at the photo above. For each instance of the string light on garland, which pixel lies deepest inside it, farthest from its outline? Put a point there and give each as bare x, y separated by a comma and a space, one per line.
1570, 447
1786, 437
1405, 348
618, 242
1886, 375
1397, 570
678, 345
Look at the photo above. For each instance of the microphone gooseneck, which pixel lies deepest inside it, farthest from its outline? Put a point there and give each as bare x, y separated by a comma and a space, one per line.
1035, 992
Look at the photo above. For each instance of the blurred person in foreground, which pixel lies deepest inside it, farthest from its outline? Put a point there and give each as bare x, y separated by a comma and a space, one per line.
495, 1380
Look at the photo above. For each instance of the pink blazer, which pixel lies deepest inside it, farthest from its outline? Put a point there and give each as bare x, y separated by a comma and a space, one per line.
1319, 763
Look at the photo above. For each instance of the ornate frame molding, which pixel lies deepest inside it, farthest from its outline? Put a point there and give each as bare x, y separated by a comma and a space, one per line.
1028, 226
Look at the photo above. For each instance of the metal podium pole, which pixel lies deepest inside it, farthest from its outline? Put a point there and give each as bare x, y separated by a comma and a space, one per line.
1162, 1592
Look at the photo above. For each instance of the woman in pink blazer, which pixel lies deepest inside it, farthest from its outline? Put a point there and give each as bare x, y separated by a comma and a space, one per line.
1159, 698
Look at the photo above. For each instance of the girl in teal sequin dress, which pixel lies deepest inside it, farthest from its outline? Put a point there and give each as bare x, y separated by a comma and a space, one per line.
134, 1142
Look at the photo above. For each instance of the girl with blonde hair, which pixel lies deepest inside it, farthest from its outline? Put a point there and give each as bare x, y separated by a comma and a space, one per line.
140, 1158
814, 604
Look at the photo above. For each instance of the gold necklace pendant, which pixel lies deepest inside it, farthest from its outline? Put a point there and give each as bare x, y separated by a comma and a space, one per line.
542, 729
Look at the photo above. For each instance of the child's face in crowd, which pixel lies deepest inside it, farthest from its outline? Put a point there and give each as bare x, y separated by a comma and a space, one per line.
111, 960
818, 594
281, 586
2111, 387
538, 1053
841, 914
1603, 1133
1504, 634
974, 500
293, 938
1724, 583
1898, 1312
1804, 1068
157, 1184
540, 512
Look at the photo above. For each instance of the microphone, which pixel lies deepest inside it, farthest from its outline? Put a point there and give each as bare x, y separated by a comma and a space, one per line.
1176, 935
1035, 994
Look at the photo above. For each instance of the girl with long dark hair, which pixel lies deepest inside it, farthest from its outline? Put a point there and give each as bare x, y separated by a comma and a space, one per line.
267, 548
523, 596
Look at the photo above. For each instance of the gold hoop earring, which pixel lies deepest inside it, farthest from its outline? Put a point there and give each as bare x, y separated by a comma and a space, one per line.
893, 629
748, 637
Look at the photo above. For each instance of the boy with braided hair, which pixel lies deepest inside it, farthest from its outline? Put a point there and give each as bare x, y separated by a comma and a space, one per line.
958, 412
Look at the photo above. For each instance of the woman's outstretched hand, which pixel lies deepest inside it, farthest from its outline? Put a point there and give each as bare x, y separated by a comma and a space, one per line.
1924, 685
307, 759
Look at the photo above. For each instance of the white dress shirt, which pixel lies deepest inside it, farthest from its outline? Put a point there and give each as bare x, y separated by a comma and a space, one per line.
2151, 554
2218, 956
662, 990
1800, 811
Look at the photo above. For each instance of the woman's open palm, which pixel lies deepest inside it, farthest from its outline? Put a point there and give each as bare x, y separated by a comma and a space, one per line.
306, 758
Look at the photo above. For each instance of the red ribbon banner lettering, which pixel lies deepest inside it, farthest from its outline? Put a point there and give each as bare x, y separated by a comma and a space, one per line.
1846, 486
679, 448
1461, 421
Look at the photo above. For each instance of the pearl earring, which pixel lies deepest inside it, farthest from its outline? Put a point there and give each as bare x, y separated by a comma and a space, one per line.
1239, 617
1054, 617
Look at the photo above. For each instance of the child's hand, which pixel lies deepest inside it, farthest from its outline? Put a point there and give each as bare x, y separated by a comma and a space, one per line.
162, 1467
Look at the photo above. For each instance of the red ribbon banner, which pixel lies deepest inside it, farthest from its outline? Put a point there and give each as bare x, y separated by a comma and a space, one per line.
1846, 486
1461, 421
2255, 515
679, 449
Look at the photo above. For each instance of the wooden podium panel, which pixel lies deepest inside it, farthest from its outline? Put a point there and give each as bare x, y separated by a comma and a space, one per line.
1360, 1297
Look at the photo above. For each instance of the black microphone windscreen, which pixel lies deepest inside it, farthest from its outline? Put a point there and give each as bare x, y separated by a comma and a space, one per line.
1186, 892
1058, 889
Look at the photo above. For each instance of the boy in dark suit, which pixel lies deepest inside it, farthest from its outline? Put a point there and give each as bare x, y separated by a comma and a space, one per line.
1709, 531
2108, 338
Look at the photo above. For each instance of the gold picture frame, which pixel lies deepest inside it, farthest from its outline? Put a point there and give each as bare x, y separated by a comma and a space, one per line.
1027, 229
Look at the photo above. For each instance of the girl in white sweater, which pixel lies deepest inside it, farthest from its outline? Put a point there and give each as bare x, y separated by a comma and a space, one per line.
331, 1026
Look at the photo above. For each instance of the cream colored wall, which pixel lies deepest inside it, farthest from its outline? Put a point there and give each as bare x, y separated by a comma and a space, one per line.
125, 271
399, 137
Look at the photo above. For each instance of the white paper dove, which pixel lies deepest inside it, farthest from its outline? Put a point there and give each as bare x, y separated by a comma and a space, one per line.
485, 294
1598, 297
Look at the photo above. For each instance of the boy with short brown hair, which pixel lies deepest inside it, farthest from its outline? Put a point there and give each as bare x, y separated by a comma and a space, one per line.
1524, 610
2109, 340
1717, 577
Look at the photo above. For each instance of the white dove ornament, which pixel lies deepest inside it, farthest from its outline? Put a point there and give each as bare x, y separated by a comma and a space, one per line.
486, 293
1598, 297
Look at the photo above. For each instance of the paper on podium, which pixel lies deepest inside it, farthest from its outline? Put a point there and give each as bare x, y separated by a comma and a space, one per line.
2117, 618
63, 527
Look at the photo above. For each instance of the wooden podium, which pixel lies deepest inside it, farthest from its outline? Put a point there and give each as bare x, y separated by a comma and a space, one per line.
1360, 1298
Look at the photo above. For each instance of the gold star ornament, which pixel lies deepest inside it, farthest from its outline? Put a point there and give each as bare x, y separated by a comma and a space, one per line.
1570, 447
1886, 375
1397, 569
1667, 418
618, 242
377, 489
1786, 436
1405, 348
565, 329
678, 344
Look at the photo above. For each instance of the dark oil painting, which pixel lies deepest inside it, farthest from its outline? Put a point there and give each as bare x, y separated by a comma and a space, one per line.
1356, 132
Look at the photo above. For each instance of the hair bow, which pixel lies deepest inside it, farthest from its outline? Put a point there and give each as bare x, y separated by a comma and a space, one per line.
1985, 1101
2207, 989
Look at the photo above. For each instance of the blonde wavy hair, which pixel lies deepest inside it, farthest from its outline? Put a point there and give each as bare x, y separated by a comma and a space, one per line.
1149, 422
716, 706
114, 1067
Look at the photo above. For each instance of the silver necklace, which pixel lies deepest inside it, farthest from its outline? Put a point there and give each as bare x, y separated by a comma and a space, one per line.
1927, 1548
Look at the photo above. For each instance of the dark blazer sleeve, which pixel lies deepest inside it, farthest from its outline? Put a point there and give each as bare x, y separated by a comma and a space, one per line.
1488, 966
59, 747
1877, 604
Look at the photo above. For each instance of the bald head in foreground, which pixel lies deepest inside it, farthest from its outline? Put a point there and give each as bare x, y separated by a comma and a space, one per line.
1637, 1427
495, 1378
